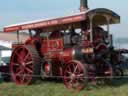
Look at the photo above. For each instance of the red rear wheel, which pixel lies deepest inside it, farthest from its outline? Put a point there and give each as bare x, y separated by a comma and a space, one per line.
25, 63
74, 75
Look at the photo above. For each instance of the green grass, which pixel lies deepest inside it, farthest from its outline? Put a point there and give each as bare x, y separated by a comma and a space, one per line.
118, 88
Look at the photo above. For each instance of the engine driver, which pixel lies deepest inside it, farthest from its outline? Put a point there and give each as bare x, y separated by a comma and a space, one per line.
74, 37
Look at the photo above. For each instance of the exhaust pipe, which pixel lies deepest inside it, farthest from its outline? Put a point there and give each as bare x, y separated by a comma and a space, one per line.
83, 5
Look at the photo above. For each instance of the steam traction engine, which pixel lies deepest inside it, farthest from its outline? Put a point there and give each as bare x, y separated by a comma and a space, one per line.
75, 48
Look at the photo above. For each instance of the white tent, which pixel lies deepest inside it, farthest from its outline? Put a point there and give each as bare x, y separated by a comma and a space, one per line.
3, 48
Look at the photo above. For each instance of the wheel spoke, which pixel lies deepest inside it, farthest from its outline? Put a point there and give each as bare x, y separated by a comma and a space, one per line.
74, 66
29, 70
16, 64
26, 57
80, 75
24, 75
19, 73
71, 81
28, 63
75, 69
78, 70
19, 57
22, 78
31, 67
18, 70
69, 72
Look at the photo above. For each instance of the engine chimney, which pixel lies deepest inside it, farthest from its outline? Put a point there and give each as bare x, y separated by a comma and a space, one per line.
83, 5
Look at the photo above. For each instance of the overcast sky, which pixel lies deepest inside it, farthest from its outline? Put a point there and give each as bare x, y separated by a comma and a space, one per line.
16, 11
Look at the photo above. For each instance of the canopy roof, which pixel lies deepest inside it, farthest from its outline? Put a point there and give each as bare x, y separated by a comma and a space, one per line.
70, 19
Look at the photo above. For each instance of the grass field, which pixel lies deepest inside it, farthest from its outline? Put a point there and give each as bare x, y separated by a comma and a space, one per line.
117, 88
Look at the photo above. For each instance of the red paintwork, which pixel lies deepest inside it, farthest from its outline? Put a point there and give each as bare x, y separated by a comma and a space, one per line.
47, 23
54, 53
32, 41
52, 45
74, 75
22, 65
68, 54
47, 68
54, 48
16, 45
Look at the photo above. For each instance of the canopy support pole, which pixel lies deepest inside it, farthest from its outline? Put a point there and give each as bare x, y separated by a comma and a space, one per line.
108, 30
108, 22
18, 37
30, 33
91, 27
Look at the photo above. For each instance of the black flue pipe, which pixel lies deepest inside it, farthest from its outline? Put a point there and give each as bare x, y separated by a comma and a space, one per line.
83, 5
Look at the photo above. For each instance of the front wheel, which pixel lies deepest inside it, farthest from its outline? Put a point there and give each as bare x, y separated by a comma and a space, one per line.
74, 75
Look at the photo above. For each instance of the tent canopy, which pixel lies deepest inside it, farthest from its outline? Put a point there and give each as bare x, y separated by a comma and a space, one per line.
4, 48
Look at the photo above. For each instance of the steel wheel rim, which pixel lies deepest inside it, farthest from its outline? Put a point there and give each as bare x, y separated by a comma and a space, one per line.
21, 66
